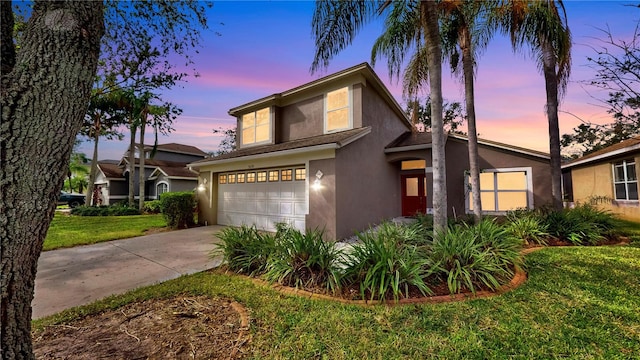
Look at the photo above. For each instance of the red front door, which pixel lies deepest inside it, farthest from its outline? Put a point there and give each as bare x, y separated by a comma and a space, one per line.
414, 194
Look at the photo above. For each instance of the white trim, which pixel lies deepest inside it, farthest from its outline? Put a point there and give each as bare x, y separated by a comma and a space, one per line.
349, 112
625, 181
603, 156
160, 183
241, 144
528, 174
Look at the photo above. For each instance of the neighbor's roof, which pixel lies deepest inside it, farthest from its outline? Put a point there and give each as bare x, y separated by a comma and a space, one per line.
178, 148
341, 138
174, 172
110, 170
621, 148
422, 140
363, 69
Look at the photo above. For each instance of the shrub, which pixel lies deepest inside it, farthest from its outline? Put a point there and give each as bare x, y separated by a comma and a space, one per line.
177, 208
385, 265
244, 249
469, 257
527, 226
152, 207
304, 260
112, 210
582, 225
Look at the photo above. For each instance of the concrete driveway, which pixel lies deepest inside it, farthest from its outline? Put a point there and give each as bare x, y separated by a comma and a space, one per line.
83, 274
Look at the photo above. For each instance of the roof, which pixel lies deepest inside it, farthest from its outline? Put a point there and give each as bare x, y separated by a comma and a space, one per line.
341, 138
178, 148
110, 170
175, 172
422, 140
621, 148
363, 69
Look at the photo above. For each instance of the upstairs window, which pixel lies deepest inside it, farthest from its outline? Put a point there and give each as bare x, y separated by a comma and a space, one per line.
625, 180
338, 110
256, 127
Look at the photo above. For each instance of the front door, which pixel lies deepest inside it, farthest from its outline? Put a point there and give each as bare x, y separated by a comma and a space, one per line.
414, 194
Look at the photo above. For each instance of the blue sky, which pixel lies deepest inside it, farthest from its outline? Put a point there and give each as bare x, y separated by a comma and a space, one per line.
267, 47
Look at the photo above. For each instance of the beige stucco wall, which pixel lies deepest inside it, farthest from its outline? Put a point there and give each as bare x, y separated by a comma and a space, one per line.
596, 180
207, 199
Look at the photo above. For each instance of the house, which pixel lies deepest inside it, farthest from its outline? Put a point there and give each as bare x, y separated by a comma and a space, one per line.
607, 178
339, 154
165, 171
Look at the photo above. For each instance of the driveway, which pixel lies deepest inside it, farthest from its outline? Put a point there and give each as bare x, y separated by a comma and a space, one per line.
83, 274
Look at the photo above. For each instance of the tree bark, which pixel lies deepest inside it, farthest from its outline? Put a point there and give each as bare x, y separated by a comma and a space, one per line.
132, 163
44, 99
429, 19
141, 155
474, 169
549, 65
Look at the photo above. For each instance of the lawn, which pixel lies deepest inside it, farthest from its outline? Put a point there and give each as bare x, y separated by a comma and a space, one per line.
579, 303
68, 231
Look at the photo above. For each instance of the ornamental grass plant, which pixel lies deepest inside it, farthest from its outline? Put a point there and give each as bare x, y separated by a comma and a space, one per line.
245, 249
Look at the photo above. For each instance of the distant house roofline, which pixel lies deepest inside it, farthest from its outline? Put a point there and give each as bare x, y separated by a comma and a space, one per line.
621, 148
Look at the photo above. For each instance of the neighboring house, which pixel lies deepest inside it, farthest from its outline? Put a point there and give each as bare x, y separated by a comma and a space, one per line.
339, 154
607, 178
165, 171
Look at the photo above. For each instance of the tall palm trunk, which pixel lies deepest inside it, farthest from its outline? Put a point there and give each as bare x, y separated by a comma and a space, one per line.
132, 164
93, 173
429, 19
141, 173
549, 64
474, 169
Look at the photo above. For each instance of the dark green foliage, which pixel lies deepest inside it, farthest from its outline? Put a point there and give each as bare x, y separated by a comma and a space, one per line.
527, 225
177, 208
304, 260
583, 225
384, 264
152, 207
245, 249
473, 257
110, 210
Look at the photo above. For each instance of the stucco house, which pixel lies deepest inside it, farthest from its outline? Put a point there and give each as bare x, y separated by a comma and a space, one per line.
339, 154
607, 178
165, 171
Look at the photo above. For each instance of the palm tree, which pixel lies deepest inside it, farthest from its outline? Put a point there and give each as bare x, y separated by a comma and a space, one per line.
542, 26
336, 23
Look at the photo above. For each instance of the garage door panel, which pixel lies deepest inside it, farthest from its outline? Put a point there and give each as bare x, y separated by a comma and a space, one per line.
286, 208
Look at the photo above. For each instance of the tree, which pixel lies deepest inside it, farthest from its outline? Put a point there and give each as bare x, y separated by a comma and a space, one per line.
77, 165
46, 87
542, 27
336, 23
453, 116
228, 142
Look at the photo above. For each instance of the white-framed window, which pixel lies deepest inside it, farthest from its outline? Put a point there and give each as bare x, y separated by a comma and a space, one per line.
502, 190
338, 114
161, 188
625, 180
256, 127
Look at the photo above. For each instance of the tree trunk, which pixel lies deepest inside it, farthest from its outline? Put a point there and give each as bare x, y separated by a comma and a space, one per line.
94, 163
141, 174
429, 19
44, 99
549, 63
132, 164
474, 169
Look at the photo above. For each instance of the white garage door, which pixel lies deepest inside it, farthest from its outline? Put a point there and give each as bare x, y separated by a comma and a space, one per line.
263, 198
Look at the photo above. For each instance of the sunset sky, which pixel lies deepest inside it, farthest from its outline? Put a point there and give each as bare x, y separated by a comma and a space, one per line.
266, 47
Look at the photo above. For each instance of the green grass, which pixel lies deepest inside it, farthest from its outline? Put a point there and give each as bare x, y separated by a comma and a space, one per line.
68, 231
578, 303
630, 229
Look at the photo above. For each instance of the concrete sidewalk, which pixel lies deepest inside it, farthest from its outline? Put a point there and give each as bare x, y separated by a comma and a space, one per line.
83, 274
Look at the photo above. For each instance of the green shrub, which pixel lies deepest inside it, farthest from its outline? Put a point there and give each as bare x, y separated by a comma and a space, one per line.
529, 228
110, 210
304, 260
177, 208
152, 207
582, 225
469, 257
386, 265
244, 249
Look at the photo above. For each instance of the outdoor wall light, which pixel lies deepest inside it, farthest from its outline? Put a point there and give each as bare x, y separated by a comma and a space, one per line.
202, 186
317, 185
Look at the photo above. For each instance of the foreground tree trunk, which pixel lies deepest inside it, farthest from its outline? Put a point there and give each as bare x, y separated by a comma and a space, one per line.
132, 164
549, 63
44, 99
474, 168
429, 18
141, 174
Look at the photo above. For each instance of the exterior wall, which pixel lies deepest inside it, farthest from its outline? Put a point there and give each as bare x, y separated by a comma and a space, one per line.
118, 190
423, 154
596, 180
182, 185
177, 157
363, 162
322, 202
208, 199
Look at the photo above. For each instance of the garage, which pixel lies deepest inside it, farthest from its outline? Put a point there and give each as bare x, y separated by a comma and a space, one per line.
263, 198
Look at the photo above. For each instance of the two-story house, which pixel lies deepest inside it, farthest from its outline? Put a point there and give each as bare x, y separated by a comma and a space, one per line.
339, 154
165, 171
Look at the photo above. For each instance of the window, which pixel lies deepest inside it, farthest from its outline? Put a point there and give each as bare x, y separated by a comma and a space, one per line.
413, 164
161, 188
338, 111
502, 190
273, 175
222, 179
232, 178
262, 176
286, 175
625, 180
251, 177
256, 127
240, 178
301, 174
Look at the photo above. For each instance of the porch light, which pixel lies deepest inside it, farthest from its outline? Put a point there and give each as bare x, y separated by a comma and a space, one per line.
201, 186
317, 185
